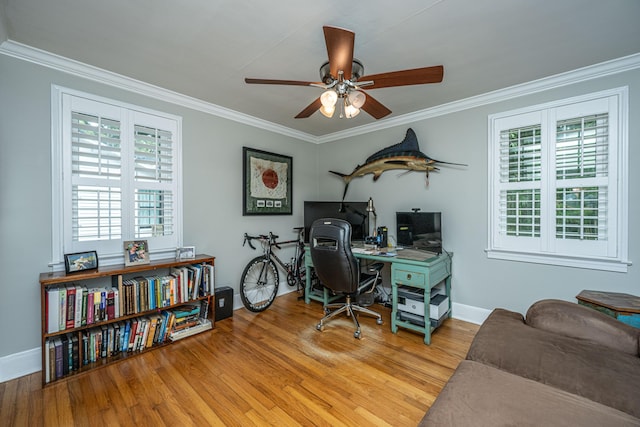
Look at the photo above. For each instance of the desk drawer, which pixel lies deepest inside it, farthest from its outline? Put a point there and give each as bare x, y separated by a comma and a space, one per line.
405, 275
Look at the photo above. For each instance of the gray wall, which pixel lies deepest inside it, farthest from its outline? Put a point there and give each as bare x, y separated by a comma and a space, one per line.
461, 195
212, 170
213, 222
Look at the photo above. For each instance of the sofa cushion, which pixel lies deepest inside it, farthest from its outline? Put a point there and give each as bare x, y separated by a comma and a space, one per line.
574, 365
578, 321
479, 395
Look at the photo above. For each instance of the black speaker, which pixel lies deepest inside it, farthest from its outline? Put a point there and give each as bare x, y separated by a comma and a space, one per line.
383, 233
224, 302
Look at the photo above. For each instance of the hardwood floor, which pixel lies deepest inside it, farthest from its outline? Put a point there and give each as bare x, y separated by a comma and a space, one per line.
271, 368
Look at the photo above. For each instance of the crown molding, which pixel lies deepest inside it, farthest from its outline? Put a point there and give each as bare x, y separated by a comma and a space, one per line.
591, 72
79, 69
89, 72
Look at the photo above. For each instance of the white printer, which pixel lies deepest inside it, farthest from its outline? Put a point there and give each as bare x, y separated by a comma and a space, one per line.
411, 304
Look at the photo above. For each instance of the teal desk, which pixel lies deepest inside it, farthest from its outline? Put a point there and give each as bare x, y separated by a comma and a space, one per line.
409, 271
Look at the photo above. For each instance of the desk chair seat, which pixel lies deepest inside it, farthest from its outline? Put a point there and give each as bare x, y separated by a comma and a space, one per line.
339, 270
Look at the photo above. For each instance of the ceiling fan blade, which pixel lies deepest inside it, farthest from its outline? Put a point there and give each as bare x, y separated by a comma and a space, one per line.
416, 76
280, 82
375, 108
310, 109
340, 50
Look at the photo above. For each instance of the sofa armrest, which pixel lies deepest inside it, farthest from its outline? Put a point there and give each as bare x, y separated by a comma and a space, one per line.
577, 321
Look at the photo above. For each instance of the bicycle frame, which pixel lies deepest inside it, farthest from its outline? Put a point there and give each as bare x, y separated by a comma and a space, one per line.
260, 279
293, 268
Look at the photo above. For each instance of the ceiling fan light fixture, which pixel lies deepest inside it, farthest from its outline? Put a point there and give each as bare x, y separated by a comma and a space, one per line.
350, 111
357, 99
328, 111
329, 98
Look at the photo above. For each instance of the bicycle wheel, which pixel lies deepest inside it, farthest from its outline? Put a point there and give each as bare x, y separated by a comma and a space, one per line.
302, 272
259, 284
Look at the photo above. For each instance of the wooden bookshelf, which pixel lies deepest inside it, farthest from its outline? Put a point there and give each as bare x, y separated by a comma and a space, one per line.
117, 274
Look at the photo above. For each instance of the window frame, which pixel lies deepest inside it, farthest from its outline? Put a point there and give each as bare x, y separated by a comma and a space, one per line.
130, 115
547, 249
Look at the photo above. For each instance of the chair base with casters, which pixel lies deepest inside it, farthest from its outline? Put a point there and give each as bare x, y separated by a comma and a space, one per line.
352, 309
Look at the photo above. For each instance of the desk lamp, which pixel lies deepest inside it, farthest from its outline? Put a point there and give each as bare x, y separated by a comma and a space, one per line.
372, 219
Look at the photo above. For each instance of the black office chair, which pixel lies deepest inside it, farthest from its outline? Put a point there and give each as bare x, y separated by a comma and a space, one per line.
339, 271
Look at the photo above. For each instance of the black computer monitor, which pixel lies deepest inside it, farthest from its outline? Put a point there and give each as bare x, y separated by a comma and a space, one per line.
420, 230
355, 213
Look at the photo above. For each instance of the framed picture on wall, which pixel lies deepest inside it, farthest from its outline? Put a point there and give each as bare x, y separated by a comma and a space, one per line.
266, 183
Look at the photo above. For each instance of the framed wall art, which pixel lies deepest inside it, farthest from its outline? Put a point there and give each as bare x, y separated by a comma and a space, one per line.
136, 252
80, 261
267, 183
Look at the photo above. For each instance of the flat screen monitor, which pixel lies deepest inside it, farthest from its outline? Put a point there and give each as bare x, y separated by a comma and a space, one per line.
355, 213
420, 230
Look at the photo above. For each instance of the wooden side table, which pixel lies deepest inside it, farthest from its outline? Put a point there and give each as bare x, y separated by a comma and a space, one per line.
623, 307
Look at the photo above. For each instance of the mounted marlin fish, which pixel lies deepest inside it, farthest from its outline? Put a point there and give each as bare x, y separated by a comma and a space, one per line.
404, 155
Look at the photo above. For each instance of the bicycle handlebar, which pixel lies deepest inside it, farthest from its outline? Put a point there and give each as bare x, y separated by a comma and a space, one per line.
271, 238
247, 239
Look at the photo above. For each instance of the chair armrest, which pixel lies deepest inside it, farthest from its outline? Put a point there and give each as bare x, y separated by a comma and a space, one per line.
577, 321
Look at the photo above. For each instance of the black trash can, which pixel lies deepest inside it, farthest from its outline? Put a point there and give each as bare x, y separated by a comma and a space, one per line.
224, 302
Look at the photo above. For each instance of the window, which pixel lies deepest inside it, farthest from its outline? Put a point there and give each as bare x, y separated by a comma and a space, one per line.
558, 183
116, 177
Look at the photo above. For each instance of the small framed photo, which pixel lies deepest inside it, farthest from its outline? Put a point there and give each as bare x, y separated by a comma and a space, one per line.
80, 261
186, 252
136, 252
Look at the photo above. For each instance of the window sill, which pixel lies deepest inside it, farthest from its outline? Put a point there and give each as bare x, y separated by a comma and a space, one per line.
617, 266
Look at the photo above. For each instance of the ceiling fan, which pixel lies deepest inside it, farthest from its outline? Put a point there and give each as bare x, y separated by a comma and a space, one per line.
342, 78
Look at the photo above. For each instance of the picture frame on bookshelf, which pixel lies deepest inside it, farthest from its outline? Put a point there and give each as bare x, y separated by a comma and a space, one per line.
136, 252
80, 261
267, 183
186, 252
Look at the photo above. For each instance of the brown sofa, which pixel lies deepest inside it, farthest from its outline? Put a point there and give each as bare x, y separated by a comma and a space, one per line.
565, 365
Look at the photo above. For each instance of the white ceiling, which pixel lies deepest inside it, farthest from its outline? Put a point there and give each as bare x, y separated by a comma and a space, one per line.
205, 48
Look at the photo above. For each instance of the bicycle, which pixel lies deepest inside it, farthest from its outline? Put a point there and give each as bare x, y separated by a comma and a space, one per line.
260, 280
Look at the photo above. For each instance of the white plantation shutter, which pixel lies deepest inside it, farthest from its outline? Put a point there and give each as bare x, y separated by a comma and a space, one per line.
520, 168
154, 181
96, 164
153, 154
557, 176
120, 175
582, 159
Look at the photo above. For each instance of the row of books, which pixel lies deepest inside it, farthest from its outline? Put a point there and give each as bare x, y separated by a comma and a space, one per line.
75, 306
67, 353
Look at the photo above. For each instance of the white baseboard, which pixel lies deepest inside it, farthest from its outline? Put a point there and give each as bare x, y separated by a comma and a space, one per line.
27, 362
19, 364
469, 313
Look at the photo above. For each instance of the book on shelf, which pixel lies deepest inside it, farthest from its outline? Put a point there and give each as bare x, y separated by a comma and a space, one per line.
75, 352
89, 307
201, 326
77, 308
53, 310
62, 318
71, 307
116, 283
57, 342
83, 309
